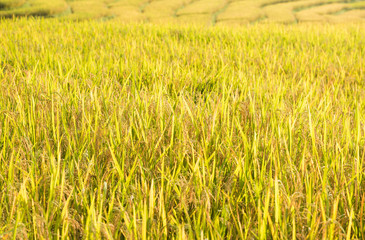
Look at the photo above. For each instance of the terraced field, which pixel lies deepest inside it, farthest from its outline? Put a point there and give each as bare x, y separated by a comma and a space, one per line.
208, 12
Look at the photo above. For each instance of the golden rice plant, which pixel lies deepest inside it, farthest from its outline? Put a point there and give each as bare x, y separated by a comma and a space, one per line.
141, 131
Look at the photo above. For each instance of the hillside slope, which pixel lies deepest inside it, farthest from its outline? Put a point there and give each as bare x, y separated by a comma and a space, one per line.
206, 12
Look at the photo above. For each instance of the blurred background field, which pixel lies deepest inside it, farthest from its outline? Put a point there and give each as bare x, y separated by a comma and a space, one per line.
203, 12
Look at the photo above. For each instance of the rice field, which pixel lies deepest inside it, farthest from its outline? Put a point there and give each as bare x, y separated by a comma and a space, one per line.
141, 131
201, 12
182, 119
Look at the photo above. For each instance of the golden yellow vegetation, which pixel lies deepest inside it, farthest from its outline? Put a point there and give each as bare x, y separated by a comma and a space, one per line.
124, 131
206, 12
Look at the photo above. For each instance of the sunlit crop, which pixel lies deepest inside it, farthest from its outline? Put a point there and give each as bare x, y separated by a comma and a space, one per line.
167, 132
